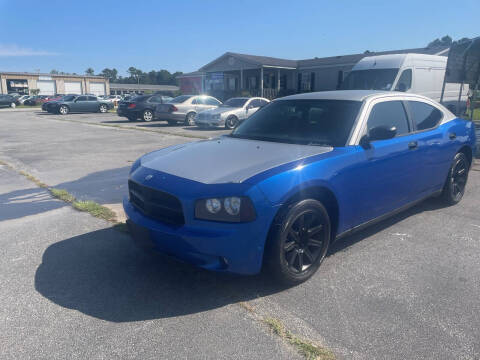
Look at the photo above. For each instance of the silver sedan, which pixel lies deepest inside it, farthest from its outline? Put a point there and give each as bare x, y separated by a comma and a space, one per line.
184, 108
231, 112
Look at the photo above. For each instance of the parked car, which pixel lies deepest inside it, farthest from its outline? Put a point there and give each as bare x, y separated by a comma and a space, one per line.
114, 99
184, 108
141, 107
81, 103
38, 100
230, 113
295, 176
7, 101
22, 98
414, 73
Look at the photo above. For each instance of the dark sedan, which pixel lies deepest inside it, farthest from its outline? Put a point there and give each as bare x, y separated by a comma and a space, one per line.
141, 107
74, 103
7, 101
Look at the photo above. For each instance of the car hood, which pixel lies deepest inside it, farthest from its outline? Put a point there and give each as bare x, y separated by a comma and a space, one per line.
226, 159
219, 110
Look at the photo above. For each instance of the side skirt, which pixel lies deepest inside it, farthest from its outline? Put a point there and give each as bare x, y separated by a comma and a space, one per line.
384, 216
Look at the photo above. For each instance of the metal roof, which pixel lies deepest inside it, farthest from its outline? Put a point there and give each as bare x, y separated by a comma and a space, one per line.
48, 74
117, 86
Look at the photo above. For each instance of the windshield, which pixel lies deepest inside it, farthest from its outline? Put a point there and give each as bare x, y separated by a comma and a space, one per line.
308, 122
374, 79
179, 99
235, 102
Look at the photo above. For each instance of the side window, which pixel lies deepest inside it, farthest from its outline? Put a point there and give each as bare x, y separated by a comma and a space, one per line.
405, 81
212, 101
155, 99
82, 98
263, 102
91, 98
388, 114
254, 103
199, 101
424, 115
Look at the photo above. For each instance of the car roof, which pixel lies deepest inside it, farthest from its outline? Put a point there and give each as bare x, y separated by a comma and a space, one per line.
355, 95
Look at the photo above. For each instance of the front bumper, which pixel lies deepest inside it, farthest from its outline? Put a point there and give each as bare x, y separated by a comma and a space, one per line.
209, 122
227, 247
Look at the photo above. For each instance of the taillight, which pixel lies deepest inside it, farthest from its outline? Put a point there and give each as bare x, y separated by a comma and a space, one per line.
173, 108
132, 106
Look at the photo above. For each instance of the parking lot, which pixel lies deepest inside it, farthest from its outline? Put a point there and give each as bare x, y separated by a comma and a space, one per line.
75, 287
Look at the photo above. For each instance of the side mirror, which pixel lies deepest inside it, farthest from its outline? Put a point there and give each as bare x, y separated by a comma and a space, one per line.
382, 133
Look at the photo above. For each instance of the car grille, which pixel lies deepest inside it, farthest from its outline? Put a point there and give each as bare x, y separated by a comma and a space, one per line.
156, 204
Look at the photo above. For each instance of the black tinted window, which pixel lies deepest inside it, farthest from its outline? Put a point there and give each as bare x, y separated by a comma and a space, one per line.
424, 116
155, 99
389, 114
405, 81
92, 98
82, 98
313, 122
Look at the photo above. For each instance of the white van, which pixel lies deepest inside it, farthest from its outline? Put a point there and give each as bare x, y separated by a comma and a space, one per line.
416, 73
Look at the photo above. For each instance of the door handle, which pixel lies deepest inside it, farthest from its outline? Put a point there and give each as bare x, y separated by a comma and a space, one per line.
452, 136
412, 145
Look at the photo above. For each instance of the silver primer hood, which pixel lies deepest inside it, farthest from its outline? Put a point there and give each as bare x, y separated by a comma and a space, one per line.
226, 159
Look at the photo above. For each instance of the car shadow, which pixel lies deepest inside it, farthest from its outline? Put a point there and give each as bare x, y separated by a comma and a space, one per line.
104, 275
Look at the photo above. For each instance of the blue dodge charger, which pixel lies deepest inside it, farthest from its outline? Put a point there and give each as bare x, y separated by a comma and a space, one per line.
300, 173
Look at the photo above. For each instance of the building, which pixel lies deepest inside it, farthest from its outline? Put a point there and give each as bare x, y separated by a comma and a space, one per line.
51, 84
119, 89
233, 74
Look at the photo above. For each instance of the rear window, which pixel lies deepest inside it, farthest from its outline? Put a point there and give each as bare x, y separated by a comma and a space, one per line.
180, 99
424, 115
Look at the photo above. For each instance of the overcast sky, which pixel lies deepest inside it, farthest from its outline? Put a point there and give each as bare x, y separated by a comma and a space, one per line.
180, 35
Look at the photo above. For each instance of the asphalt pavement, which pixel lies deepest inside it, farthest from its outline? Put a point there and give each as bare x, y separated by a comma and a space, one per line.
74, 287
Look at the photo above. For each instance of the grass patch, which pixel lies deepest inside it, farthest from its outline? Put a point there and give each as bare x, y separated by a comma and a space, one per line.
476, 114
33, 179
93, 208
305, 348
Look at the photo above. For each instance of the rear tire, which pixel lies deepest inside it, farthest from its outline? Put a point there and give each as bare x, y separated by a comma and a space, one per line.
147, 115
456, 182
103, 108
190, 119
12, 105
299, 242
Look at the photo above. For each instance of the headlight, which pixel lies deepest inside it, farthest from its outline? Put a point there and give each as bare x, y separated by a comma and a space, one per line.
227, 209
136, 165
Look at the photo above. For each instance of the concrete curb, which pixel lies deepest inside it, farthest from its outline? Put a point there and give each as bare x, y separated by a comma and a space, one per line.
21, 109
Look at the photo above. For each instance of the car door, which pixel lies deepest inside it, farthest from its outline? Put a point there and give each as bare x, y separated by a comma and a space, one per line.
386, 175
79, 104
436, 147
92, 104
154, 101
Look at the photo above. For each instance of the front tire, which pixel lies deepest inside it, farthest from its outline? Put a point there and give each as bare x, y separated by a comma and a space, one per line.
63, 110
299, 242
147, 115
231, 122
456, 182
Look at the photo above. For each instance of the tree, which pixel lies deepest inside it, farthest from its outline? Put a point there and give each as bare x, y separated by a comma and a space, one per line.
90, 71
34, 92
444, 41
53, 72
110, 74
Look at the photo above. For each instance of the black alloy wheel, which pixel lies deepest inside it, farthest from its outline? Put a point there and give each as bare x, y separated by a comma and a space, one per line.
231, 122
454, 187
300, 244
